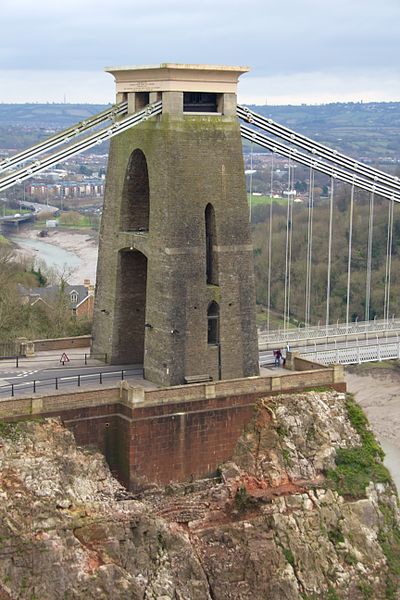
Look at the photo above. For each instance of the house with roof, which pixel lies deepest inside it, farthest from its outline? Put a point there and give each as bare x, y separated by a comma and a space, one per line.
80, 298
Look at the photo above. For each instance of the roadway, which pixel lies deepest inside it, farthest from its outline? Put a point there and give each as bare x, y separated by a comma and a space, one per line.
44, 373
23, 382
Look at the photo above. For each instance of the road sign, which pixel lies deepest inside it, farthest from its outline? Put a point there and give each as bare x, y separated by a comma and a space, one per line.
64, 358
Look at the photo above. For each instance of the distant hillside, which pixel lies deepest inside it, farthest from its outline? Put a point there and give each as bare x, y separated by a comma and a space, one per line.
369, 130
46, 115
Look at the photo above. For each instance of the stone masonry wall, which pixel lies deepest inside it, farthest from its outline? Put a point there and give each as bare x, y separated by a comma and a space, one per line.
165, 435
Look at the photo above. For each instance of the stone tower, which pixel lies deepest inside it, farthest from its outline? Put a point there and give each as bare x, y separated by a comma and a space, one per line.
175, 281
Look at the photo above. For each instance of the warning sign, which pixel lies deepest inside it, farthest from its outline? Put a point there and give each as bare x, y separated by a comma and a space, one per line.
64, 358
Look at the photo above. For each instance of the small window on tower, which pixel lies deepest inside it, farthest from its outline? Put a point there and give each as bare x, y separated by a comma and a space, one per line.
213, 323
200, 102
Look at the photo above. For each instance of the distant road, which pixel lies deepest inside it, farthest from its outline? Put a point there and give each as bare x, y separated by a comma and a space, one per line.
38, 208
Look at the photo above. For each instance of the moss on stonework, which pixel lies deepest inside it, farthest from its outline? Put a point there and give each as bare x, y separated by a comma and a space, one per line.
10, 431
357, 467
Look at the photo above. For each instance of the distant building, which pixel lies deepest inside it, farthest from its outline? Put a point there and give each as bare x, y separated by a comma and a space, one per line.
80, 297
68, 189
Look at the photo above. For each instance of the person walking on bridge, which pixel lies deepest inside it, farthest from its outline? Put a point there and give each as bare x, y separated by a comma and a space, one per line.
278, 356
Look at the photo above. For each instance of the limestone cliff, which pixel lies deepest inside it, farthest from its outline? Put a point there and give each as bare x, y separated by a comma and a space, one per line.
304, 510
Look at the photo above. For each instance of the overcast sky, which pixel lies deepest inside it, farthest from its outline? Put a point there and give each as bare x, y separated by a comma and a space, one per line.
309, 51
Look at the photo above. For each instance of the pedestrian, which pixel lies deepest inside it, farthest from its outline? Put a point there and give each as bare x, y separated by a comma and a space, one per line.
278, 356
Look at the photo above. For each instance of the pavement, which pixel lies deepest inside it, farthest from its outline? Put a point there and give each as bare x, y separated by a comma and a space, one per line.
60, 370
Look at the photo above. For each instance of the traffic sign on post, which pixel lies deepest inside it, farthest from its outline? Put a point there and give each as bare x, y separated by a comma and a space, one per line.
64, 358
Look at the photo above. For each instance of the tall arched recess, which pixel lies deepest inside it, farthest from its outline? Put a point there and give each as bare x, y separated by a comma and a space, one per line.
211, 242
135, 202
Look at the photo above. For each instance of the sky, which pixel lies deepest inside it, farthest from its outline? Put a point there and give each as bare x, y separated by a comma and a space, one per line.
299, 51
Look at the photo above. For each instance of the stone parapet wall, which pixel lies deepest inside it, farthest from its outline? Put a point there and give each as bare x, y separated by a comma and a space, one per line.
81, 341
168, 434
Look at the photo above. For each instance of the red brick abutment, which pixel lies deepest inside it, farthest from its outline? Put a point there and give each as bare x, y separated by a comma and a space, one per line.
171, 434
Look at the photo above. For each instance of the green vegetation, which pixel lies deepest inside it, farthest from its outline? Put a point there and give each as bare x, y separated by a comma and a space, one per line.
289, 556
332, 595
260, 226
241, 499
265, 200
52, 318
366, 590
73, 220
10, 431
389, 539
335, 536
356, 467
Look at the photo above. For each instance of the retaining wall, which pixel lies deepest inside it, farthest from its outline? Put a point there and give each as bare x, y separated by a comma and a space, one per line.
169, 434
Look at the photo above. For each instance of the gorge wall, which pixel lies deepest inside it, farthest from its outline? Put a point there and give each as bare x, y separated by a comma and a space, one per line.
303, 510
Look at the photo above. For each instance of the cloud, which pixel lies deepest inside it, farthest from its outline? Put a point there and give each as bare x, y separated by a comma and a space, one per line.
298, 37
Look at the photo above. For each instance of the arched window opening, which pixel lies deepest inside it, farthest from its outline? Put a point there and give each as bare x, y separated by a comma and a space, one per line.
135, 205
213, 323
211, 255
131, 306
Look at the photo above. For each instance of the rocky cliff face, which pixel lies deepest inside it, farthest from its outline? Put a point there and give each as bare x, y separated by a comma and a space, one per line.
305, 510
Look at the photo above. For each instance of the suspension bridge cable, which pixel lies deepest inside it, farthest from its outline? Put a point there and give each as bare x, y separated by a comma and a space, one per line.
290, 245
389, 243
349, 253
307, 315
270, 243
317, 148
369, 258
81, 145
341, 174
251, 180
328, 282
285, 302
63, 137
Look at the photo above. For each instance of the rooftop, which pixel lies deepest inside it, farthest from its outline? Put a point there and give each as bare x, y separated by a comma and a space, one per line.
177, 78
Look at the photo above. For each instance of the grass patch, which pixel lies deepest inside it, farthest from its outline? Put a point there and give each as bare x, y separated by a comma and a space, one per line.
366, 590
10, 431
356, 467
288, 554
335, 536
332, 595
265, 200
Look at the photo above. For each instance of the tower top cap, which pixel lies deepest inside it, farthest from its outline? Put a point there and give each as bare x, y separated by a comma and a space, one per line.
172, 77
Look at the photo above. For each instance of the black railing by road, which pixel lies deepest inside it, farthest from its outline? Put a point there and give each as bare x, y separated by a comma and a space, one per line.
58, 357
56, 383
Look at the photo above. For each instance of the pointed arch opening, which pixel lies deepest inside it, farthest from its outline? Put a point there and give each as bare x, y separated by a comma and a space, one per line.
211, 242
135, 205
131, 306
213, 323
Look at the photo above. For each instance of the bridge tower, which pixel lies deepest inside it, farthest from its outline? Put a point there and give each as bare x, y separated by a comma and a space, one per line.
175, 281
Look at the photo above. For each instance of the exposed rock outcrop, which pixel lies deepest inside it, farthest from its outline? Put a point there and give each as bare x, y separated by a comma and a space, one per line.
304, 510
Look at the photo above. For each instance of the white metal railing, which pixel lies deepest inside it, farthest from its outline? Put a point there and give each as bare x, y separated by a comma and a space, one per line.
356, 354
283, 336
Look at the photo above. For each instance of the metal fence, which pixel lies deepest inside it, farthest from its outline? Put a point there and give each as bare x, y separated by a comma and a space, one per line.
58, 383
356, 353
283, 336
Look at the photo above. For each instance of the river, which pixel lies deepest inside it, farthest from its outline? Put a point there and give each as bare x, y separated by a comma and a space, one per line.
52, 255
71, 252
392, 459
